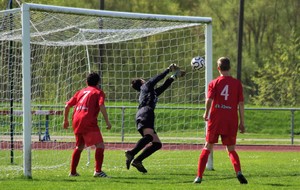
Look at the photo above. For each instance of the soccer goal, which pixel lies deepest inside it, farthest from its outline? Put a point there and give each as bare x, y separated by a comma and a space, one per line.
46, 53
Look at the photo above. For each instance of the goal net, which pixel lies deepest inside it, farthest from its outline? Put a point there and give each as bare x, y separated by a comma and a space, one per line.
44, 60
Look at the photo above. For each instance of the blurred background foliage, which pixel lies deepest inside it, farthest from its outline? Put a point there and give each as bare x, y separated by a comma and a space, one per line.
271, 48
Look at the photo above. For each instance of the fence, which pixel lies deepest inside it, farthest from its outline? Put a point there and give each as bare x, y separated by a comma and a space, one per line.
122, 118
248, 114
291, 118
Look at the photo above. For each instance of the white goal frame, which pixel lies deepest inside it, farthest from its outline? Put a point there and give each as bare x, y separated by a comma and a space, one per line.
26, 72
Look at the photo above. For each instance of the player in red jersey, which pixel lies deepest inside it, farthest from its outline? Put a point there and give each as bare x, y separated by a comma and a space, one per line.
87, 102
224, 100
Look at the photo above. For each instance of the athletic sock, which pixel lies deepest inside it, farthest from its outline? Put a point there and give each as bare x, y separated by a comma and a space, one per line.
148, 151
202, 162
75, 160
141, 144
235, 160
99, 156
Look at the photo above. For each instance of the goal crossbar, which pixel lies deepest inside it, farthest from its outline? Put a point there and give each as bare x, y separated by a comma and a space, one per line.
52, 8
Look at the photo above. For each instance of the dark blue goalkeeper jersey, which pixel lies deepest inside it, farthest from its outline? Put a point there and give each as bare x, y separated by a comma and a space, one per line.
149, 95
148, 98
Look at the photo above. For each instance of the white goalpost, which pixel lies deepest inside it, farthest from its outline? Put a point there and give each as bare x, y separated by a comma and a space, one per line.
46, 53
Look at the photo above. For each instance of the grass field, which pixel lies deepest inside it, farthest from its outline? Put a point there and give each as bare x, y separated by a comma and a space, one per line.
167, 170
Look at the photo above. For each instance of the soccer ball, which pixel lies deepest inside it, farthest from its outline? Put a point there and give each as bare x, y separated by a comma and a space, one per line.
198, 63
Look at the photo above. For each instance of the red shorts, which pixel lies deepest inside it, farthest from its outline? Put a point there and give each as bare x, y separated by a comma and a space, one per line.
89, 139
226, 139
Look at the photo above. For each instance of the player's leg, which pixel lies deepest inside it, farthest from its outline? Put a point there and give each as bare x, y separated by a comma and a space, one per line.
156, 145
76, 154
203, 158
235, 160
234, 157
211, 139
95, 138
99, 157
146, 139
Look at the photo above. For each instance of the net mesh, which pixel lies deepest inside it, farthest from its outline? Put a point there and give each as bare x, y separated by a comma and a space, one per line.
64, 49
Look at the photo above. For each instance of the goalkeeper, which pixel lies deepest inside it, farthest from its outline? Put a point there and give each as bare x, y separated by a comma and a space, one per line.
145, 115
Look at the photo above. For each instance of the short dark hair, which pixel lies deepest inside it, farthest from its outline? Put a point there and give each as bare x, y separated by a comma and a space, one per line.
136, 84
224, 63
93, 79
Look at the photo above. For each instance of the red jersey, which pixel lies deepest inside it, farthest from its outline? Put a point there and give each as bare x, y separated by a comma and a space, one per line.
226, 93
86, 104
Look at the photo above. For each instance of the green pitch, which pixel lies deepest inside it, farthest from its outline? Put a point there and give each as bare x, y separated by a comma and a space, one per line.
166, 170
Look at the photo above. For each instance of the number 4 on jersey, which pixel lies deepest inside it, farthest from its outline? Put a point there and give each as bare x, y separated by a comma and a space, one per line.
225, 92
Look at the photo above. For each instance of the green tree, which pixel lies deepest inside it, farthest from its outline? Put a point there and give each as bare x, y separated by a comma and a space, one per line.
279, 78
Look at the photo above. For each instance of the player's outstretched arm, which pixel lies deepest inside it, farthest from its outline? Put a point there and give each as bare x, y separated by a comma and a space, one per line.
177, 73
154, 80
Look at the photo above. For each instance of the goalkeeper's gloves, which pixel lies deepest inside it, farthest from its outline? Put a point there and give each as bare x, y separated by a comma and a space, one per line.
178, 73
173, 67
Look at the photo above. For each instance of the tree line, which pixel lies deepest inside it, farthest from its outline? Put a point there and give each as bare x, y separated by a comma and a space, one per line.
270, 60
